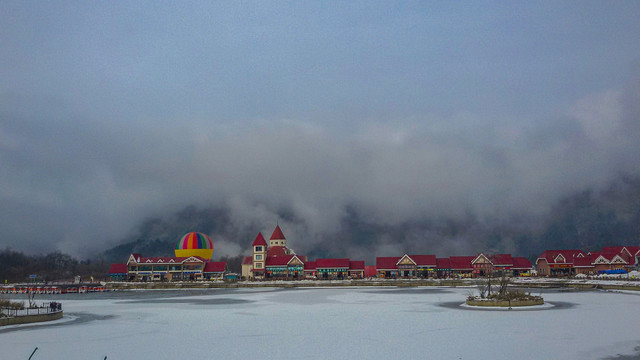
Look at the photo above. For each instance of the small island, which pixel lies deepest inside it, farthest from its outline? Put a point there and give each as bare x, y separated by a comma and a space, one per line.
503, 297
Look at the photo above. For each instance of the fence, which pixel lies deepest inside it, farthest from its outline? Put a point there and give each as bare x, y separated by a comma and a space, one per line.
45, 308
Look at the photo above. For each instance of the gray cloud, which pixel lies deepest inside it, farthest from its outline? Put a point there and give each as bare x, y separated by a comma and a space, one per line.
113, 113
81, 186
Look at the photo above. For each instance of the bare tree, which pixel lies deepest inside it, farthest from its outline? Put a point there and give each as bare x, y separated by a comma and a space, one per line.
31, 295
504, 283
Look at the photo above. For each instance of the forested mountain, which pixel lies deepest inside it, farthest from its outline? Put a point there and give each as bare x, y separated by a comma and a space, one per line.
588, 220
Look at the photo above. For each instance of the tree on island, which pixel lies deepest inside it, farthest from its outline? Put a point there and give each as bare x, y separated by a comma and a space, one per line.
504, 293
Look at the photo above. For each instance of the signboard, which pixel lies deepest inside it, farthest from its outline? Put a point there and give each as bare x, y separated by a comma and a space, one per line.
323, 270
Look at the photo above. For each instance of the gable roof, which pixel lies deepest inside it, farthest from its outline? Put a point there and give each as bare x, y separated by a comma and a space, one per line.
332, 263
247, 260
165, 259
405, 258
118, 269
215, 266
277, 234
569, 255
387, 262
259, 241
481, 255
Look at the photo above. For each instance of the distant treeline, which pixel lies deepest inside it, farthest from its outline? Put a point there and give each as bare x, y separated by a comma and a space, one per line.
17, 267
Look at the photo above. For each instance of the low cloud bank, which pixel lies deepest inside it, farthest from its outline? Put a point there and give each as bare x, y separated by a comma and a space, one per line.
82, 186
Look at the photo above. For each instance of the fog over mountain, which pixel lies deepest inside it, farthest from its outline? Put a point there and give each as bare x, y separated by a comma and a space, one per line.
588, 220
361, 129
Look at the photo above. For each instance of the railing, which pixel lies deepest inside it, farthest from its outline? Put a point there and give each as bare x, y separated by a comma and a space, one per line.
45, 308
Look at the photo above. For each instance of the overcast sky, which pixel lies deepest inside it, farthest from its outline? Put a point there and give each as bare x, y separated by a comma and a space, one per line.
111, 112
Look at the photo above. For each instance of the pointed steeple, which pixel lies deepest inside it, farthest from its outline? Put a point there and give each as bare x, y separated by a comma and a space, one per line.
259, 241
277, 238
277, 234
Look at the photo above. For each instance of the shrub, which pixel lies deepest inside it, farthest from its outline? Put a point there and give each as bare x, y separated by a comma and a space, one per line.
4, 303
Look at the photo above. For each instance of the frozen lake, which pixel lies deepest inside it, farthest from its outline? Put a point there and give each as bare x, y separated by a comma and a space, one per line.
323, 323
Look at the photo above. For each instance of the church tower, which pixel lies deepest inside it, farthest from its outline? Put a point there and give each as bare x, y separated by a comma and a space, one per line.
277, 238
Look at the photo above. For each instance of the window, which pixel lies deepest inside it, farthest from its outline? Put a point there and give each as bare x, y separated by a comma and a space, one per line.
258, 248
258, 257
258, 265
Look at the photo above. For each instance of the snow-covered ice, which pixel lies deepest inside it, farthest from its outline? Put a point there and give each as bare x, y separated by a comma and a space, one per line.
323, 323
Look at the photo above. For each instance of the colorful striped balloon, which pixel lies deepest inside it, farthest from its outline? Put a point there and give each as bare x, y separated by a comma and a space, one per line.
194, 244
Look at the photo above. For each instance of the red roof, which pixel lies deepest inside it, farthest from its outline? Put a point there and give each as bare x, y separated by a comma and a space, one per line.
550, 255
502, 260
461, 262
634, 250
332, 263
522, 263
259, 241
424, 260
118, 269
279, 260
276, 251
586, 261
277, 234
356, 265
387, 263
310, 265
443, 263
215, 266
247, 260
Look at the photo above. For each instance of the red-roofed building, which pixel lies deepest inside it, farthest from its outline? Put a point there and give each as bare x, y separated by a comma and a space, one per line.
332, 268
310, 269
572, 262
558, 262
386, 266
584, 265
356, 269
284, 267
118, 272
273, 260
173, 268
443, 268
416, 265
214, 270
492, 265
521, 266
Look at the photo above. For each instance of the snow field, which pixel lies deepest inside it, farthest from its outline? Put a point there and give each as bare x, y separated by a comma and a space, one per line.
321, 323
